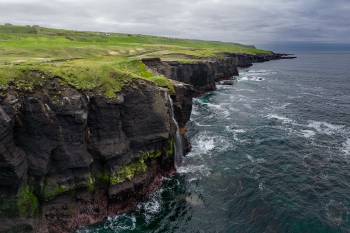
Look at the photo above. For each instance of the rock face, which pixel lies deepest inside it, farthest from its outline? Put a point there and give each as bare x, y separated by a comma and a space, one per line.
204, 74
70, 159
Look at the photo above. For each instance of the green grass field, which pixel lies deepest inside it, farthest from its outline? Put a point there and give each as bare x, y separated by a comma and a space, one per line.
95, 60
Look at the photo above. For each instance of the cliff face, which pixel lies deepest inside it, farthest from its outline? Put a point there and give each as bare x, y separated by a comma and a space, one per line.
203, 75
69, 159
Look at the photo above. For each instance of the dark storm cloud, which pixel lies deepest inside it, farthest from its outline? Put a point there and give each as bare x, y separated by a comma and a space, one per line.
249, 21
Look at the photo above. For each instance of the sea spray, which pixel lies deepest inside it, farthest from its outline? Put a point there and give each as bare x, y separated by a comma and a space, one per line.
178, 139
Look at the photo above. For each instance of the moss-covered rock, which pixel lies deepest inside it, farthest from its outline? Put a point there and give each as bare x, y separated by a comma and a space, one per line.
91, 185
52, 190
128, 172
27, 202
171, 148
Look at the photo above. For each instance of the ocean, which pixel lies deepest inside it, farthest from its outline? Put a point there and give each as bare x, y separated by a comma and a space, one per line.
269, 154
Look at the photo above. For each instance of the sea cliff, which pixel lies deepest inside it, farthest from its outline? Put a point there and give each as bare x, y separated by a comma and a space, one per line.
70, 158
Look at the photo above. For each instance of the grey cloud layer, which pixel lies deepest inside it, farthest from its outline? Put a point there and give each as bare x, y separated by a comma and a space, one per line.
249, 21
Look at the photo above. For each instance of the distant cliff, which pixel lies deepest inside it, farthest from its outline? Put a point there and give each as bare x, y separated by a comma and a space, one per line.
71, 158
204, 74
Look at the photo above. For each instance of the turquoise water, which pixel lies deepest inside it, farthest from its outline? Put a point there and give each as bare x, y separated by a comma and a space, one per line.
270, 154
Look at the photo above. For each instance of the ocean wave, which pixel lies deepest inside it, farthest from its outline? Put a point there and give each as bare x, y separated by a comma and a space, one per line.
251, 159
120, 223
280, 118
346, 147
224, 87
222, 109
195, 111
325, 127
258, 72
251, 78
239, 130
235, 133
203, 143
283, 106
308, 133
202, 169
151, 207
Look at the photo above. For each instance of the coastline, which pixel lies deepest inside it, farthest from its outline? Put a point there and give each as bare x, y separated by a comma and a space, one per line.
96, 135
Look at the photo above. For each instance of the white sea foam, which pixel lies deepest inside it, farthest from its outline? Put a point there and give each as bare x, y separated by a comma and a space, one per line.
239, 131
151, 207
219, 108
261, 186
251, 78
120, 223
201, 169
235, 133
195, 111
308, 133
283, 106
325, 127
261, 72
245, 90
204, 143
260, 160
258, 72
346, 147
280, 118
250, 158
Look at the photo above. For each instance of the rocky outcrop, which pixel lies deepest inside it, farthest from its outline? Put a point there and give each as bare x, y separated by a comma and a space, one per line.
70, 159
204, 74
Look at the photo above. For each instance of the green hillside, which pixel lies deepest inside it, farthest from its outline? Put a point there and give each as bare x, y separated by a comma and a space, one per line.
94, 60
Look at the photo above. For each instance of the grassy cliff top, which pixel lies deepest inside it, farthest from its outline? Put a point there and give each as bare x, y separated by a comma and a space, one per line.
95, 60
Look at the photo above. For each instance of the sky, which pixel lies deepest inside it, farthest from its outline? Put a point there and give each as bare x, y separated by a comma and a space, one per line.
243, 21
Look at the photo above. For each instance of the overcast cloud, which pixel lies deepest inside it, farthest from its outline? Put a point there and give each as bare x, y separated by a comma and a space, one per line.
247, 21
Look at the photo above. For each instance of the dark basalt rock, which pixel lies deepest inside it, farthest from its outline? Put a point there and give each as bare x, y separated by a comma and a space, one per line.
203, 75
61, 151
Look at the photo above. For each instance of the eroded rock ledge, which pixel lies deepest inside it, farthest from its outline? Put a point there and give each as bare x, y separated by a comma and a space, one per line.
70, 159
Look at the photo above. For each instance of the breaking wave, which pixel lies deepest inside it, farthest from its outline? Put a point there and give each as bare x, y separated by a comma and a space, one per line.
252, 78
325, 127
